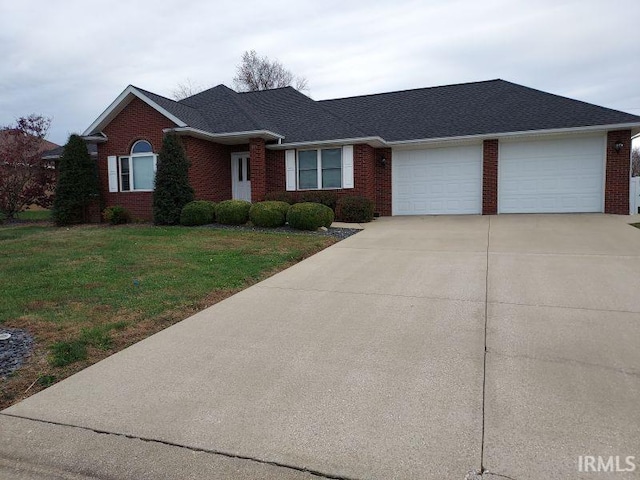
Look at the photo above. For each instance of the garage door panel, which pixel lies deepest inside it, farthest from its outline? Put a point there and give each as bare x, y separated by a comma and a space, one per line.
549, 176
559, 147
437, 181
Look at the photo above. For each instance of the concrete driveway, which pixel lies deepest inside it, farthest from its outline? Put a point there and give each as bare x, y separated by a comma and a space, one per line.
423, 347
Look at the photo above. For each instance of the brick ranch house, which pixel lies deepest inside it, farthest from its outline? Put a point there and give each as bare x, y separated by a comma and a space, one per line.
476, 148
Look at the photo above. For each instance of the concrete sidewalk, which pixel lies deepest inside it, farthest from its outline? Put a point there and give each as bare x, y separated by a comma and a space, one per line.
368, 361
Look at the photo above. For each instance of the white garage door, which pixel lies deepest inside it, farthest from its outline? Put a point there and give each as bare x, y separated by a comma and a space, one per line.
551, 176
437, 181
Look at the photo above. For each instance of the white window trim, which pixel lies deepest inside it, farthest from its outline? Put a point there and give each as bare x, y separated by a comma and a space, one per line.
131, 156
319, 168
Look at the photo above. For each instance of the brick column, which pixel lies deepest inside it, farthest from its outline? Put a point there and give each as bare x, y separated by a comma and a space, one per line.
490, 177
616, 190
258, 165
383, 181
364, 167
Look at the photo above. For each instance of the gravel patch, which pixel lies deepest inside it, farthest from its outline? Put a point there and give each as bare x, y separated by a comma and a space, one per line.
14, 350
339, 233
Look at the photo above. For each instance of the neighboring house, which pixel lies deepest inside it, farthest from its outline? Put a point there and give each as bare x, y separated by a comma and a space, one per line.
476, 148
56, 153
43, 145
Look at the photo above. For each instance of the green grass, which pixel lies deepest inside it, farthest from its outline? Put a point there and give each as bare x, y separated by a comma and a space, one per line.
87, 291
34, 215
63, 275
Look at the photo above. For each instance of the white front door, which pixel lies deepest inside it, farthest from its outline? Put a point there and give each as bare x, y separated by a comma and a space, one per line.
241, 176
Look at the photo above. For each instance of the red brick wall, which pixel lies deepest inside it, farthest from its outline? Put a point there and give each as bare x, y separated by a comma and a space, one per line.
209, 174
276, 172
490, 177
210, 170
383, 181
616, 191
137, 121
366, 172
258, 159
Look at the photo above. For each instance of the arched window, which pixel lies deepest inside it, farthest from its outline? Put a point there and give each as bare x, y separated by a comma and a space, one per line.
138, 170
141, 146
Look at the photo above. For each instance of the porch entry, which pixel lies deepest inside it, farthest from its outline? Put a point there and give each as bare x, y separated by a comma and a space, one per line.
241, 176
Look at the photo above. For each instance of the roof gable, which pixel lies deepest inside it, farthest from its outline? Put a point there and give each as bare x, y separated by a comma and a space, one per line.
124, 99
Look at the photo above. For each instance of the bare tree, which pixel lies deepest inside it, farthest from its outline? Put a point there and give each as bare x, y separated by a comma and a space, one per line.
186, 89
635, 162
260, 73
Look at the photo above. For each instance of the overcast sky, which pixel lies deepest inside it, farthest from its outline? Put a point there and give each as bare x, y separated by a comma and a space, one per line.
69, 59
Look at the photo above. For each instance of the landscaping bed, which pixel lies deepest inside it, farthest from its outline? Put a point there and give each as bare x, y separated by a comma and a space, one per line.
86, 292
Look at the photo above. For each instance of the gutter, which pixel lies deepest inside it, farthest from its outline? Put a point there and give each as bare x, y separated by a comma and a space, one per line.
231, 136
373, 141
524, 133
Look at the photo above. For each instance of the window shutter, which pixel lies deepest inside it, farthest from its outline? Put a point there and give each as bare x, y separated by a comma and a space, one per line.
347, 166
290, 161
112, 162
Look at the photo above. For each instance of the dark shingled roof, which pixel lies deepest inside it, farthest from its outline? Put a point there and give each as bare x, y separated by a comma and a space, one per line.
189, 115
282, 110
494, 106
489, 107
298, 117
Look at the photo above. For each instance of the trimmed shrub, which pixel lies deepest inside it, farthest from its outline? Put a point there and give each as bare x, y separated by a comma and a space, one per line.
172, 188
287, 197
116, 215
355, 209
77, 185
309, 216
233, 212
269, 214
198, 212
328, 198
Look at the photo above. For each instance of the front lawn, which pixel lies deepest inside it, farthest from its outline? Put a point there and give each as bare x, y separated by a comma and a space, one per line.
34, 215
87, 292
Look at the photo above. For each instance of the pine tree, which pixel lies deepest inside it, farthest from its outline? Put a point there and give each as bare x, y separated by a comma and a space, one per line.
172, 189
77, 185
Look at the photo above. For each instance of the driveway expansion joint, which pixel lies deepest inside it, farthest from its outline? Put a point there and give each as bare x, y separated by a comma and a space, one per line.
484, 359
370, 294
186, 447
566, 254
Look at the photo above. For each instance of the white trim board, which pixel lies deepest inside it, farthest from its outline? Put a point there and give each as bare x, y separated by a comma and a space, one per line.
120, 103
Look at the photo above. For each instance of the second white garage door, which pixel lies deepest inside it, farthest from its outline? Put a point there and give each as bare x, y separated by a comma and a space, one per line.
551, 176
437, 181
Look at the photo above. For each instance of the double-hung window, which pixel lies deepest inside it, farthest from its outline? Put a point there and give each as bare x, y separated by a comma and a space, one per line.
137, 170
321, 168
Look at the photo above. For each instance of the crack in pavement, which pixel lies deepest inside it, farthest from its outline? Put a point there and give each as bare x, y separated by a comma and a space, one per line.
192, 449
632, 372
484, 474
544, 305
